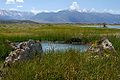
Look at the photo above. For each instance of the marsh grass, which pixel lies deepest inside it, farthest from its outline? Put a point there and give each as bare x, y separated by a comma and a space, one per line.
70, 65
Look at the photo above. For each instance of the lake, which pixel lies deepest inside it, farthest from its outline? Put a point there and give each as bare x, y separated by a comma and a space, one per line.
49, 46
117, 27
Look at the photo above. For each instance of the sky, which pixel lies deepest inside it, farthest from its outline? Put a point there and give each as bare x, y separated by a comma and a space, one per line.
112, 6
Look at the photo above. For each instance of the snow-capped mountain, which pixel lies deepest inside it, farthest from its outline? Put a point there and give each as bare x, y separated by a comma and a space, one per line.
73, 16
63, 16
18, 15
77, 15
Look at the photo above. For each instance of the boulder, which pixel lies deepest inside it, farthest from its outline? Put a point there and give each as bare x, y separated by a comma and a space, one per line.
102, 46
23, 51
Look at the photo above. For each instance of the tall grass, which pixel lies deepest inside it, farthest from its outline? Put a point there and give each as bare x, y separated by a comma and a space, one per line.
71, 65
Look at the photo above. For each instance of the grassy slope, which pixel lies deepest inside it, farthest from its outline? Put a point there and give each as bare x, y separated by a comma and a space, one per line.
70, 65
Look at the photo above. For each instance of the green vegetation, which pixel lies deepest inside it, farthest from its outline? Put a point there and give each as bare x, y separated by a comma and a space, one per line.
68, 66
71, 65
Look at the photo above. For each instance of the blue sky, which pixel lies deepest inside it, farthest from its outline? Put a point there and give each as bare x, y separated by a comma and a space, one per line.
112, 6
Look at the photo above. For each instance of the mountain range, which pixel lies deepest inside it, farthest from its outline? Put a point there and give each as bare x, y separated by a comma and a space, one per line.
15, 15
64, 16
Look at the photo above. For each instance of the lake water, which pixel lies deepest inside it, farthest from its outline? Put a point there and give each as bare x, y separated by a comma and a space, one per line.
117, 27
47, 46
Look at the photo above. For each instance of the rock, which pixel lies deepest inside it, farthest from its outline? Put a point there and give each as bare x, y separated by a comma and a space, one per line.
74, 40
101, 46
23, 51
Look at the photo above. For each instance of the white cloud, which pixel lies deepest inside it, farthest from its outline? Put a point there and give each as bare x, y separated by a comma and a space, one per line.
10, 1
14, 1
20, 1
19, 6
75, 6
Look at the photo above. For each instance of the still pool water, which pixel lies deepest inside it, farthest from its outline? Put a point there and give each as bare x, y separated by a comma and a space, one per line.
48, 46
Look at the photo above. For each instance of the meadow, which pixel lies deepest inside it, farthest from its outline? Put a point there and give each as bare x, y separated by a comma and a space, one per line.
70, 65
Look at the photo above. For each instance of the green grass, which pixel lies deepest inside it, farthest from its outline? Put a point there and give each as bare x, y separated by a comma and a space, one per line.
71, 65
49, 32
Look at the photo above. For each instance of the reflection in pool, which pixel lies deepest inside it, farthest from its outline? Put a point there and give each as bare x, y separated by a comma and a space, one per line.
48, 46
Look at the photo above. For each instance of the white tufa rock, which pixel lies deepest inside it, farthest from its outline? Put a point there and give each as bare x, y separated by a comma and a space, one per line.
101, 46
23, 51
